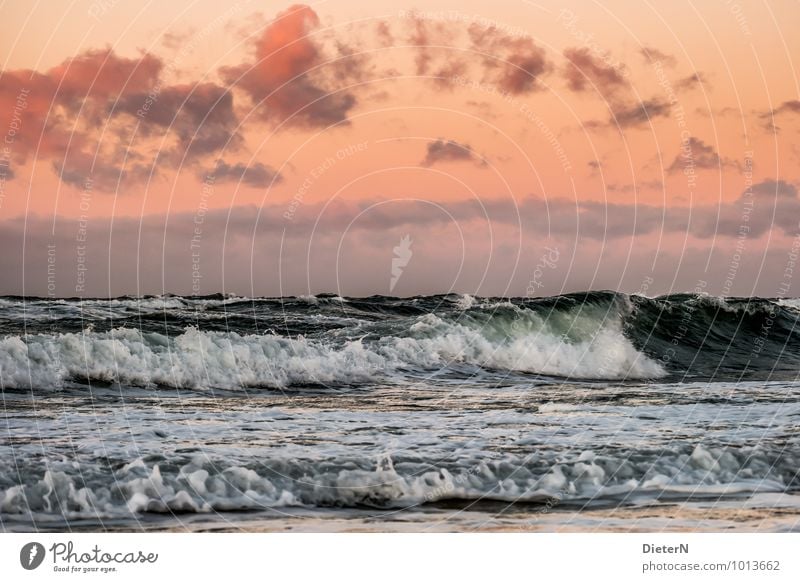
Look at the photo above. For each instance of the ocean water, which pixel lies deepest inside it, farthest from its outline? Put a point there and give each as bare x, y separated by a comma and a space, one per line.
585, 412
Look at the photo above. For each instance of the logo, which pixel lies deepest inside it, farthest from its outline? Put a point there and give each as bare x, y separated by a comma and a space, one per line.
402, 255
31, 555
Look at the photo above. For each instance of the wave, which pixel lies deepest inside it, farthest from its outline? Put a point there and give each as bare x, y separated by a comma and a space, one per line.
207, 360
233, 343
200, 485
193, 360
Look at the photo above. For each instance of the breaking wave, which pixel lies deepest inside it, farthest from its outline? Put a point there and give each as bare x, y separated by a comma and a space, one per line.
233, 343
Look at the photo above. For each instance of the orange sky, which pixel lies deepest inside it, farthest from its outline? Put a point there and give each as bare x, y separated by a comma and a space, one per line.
314, 116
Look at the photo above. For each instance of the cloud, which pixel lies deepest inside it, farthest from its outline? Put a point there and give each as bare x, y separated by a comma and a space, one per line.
106, 173
201, 116
517, 62
62, 113
697, 154
654, 55
790, 107
79, 114
769, 206
352, 242
628, 188
286, 81
584, 70
512, 63
691, 81
44, 105
643, 112
384, 33
255, 174
563, 218
779, 188
102, 74
6, 172
449, 151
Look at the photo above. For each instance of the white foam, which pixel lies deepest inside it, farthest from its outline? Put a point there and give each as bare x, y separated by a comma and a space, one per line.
199, 486
791, 303
557, 407
530, 345
465, 302
206, 360
194, 359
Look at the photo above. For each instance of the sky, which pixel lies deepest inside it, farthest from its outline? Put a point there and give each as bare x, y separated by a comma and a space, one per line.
498, 149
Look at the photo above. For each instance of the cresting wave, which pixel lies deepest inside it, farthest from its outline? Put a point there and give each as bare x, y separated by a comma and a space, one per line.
572, 477
233, 343
216, 360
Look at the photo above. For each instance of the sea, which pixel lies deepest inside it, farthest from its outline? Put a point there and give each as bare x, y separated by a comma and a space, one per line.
595, 411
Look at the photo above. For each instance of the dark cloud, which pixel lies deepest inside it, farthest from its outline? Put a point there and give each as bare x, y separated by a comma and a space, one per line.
255, 174
584, 71
654, 55
286, 81
512, 63
62, 114
569, 219
351, 246
787, 107
517, 62
79, 116
384, 33
102, 172
779, 188
201, 116
419, 37
769, 206
101, 74
790, 107
637, 187
691, 81
698, 154
44, 105
6, 172
449, 151
643, 112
